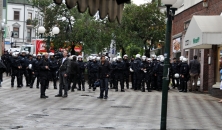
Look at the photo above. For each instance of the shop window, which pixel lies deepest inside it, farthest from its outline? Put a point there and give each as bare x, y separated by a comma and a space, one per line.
16, 32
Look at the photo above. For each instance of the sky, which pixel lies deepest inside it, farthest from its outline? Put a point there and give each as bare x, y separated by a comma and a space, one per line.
138, 2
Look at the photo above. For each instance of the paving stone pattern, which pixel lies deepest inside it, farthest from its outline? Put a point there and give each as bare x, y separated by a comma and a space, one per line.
131, 110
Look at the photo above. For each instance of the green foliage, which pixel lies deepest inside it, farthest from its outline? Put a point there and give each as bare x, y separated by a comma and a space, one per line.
139, 24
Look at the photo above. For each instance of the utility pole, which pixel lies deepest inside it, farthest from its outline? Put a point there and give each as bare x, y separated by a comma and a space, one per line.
1, 10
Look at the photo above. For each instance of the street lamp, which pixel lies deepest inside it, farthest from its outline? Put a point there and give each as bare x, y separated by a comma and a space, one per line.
55, 31
171, 6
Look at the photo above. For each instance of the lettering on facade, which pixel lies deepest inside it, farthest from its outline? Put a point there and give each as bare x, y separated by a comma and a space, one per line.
187, 42
196, 40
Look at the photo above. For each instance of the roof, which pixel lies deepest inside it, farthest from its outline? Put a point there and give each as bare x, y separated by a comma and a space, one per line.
203, 32
208, 23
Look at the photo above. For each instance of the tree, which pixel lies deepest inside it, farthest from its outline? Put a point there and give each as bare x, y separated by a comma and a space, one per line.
141, 23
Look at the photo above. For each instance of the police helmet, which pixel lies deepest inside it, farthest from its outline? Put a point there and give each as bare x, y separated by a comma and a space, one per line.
137, 55
176, 75
184, 60
143, 58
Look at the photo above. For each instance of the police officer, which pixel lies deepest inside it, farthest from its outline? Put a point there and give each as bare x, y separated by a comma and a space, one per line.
153, 77
44, 74
53, 65
88, 71
81, 79
184, 73
179, 64
126, 70
113, 74
159, 72
29, 64
23, 60
137, 72
132, 73
143, 70
119, 73
148, 74
35, 71
16, 67
94, 69
174, 70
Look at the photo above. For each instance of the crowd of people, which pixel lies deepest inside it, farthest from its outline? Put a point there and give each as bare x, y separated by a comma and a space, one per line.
145, 73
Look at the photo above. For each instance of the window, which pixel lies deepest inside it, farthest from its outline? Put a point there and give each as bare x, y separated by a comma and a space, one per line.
29, 15
186, 25
16, 15
29, 34
16, 32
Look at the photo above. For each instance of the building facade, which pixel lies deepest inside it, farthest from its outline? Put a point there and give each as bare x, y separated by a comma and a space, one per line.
22, 20
209, 53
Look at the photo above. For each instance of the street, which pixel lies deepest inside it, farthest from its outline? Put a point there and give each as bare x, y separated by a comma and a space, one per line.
131, 110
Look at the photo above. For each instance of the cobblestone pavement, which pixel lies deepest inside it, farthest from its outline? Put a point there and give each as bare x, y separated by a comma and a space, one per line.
131, 110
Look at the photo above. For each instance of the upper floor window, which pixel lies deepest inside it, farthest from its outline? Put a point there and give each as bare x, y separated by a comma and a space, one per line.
29, 15
16, 15
186, 25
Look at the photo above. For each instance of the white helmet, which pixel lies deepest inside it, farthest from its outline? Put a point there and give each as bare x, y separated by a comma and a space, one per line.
181, 58
14, 54
153, 56
125, 55
93, 58
184, 60
143, 58
176, 75
23, 51
30, 66
161, 58
98, 58
34, 55
118, 58
149, 59
39, 55
114, 59
90, 57
137, 55
51, 54
106, 57
80, 57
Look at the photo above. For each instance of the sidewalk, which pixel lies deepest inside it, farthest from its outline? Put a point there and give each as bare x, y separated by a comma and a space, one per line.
131, 110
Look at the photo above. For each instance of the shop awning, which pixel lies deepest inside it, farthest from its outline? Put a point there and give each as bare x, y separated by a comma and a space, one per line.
203, 32
111, 8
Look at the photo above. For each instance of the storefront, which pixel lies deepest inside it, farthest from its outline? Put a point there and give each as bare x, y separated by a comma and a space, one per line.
205, 35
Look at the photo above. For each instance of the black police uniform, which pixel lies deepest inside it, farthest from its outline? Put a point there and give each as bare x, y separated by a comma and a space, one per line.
81, 80
184, 74
16, 71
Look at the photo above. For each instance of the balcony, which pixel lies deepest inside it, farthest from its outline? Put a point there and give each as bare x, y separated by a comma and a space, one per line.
31, 23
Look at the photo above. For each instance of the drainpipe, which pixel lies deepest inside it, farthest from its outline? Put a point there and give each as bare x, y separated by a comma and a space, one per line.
24, 24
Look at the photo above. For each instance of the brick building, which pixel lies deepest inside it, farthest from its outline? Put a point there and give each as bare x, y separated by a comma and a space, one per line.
209, 56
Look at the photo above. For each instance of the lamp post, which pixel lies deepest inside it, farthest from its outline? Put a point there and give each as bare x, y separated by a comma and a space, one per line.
55, 31
171, 6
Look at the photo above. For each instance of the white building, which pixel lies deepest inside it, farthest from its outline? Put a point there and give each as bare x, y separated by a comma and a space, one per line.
22, 19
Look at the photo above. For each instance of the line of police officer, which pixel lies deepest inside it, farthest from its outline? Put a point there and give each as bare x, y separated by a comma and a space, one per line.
144, 71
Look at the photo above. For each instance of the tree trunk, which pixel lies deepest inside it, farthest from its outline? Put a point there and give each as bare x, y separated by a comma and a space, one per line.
123, 50
147, 50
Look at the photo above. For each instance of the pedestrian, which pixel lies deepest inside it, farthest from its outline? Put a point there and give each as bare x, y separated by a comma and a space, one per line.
119, 74
220, 81
63, 75
104, 73
174, 70
2, 70
194, 73
44, 75
81, 79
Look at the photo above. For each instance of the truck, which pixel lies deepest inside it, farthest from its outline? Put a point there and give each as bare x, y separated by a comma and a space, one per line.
37, 46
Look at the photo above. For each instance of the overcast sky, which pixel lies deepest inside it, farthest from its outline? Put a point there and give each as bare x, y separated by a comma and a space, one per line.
138, 2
